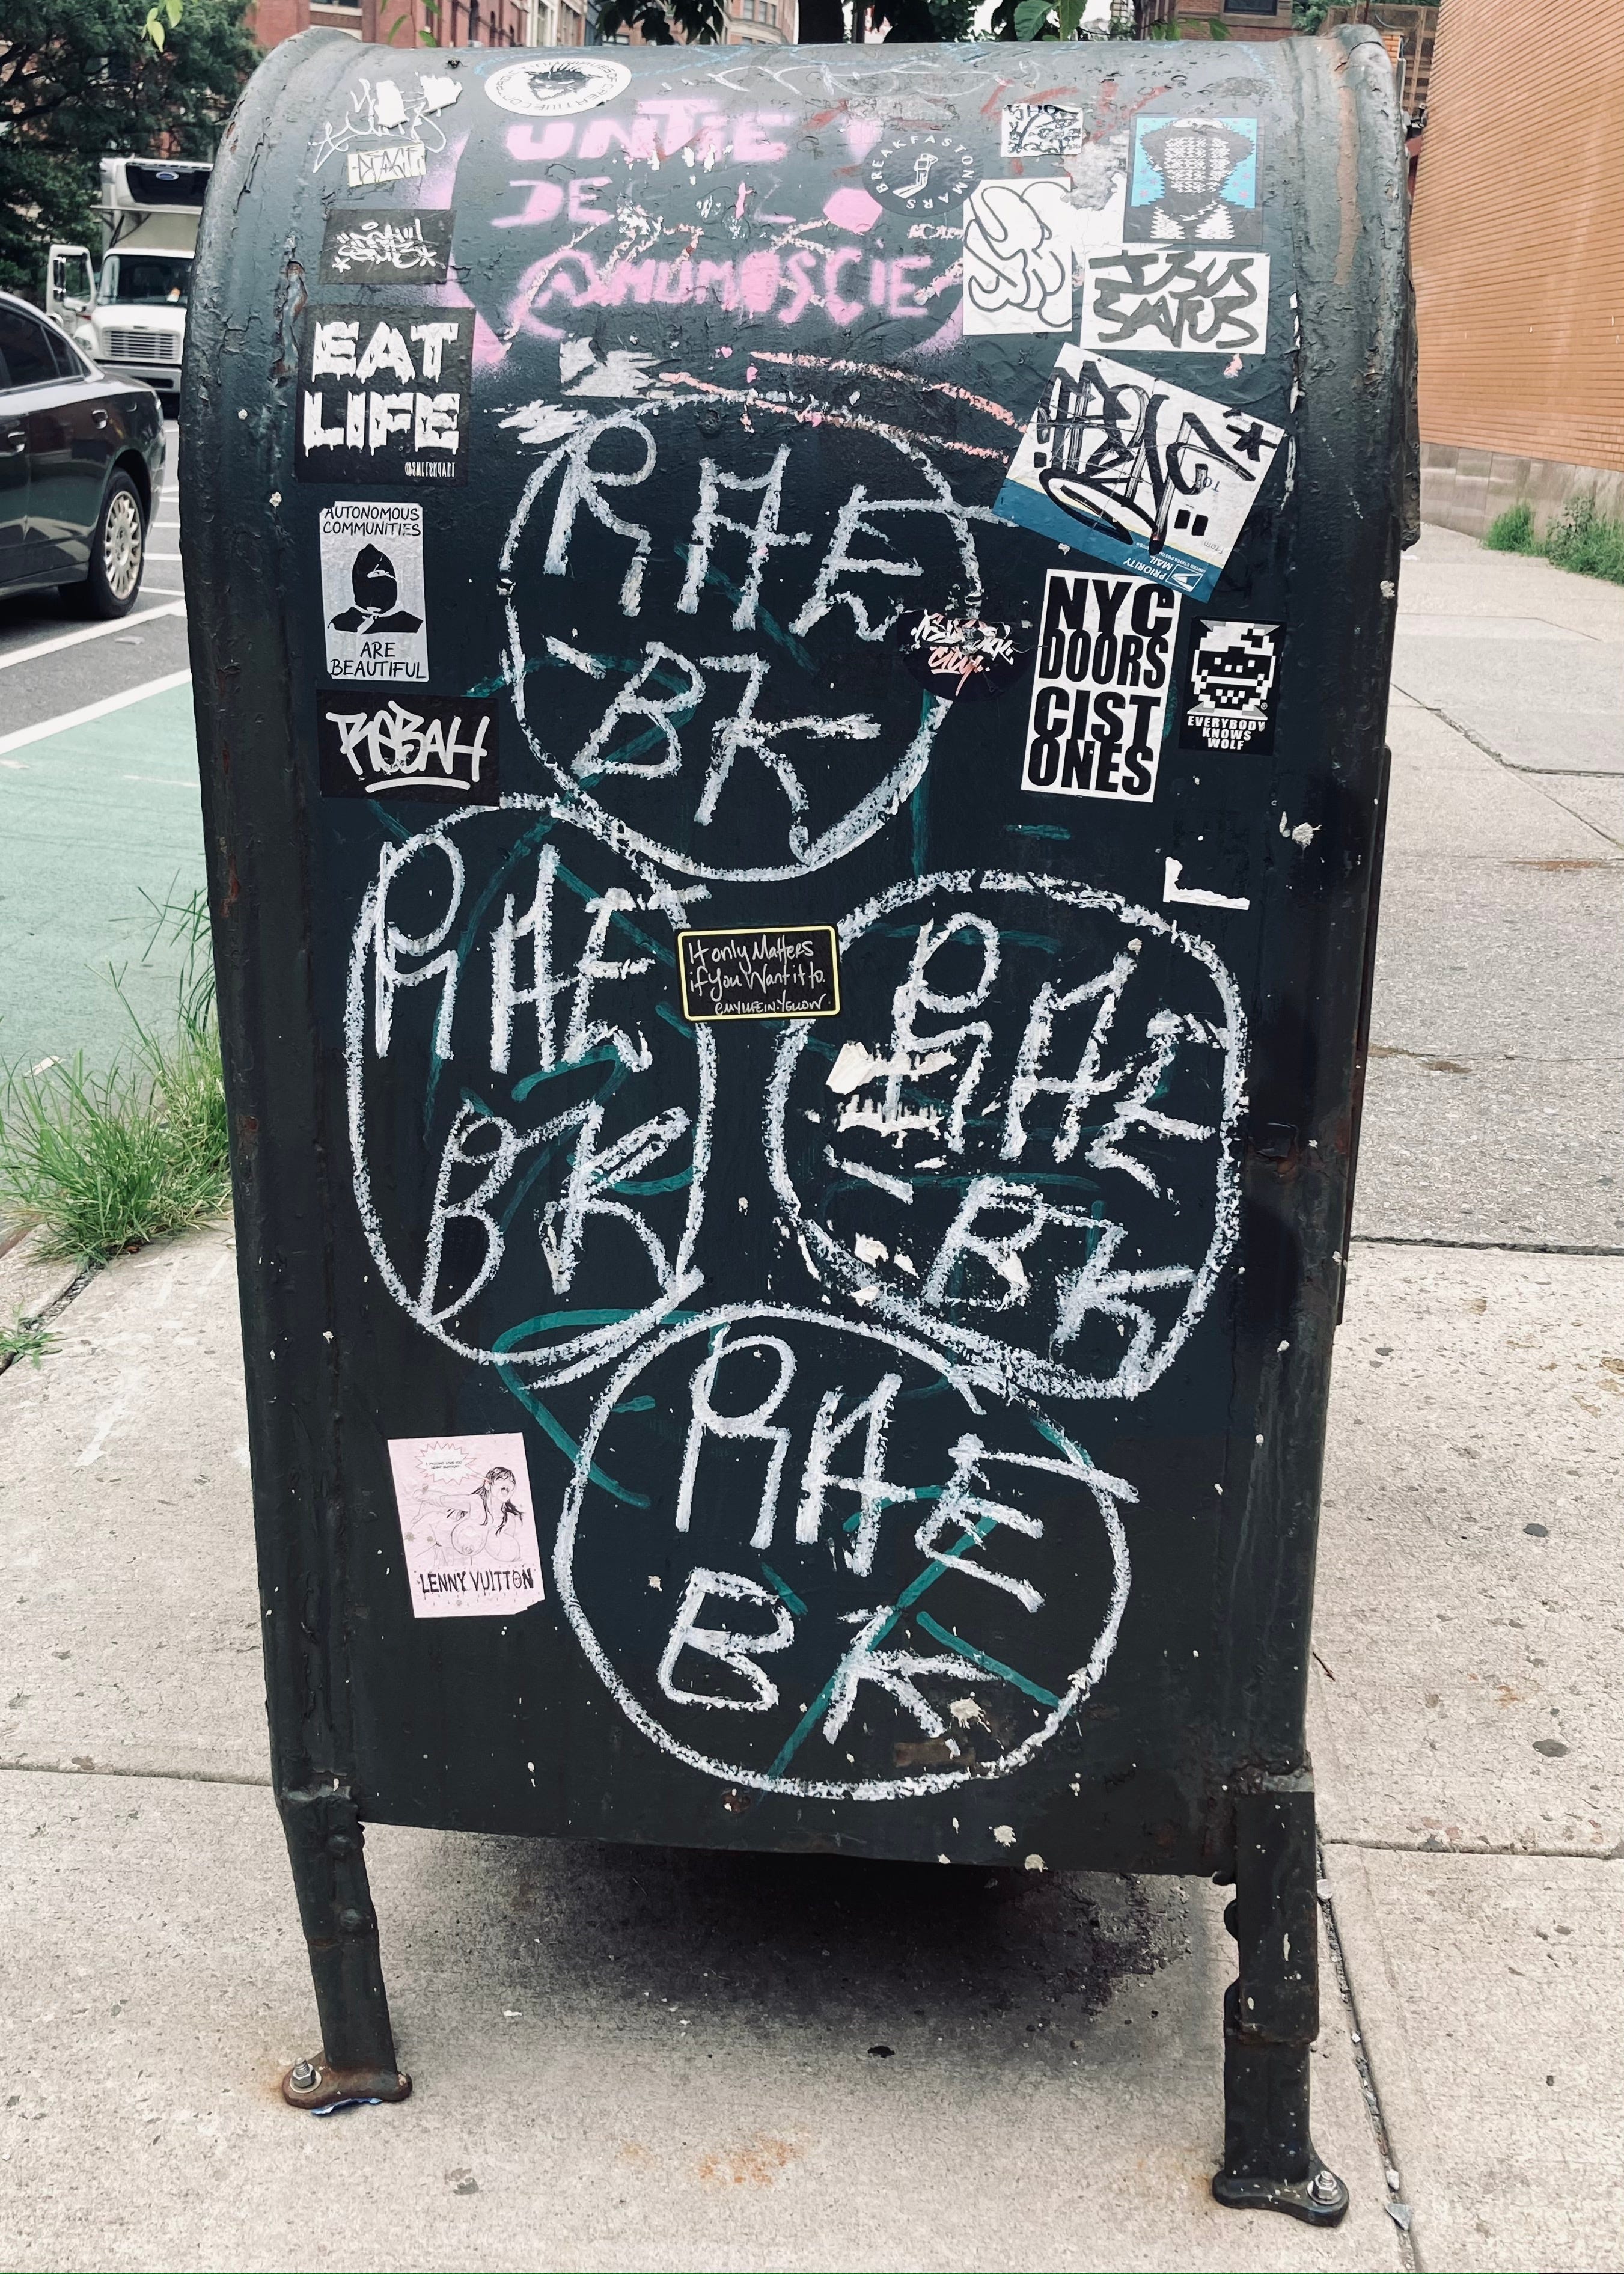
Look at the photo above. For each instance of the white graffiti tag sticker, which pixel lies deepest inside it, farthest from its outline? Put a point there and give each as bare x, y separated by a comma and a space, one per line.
806, 1558
1018, 1137
521, 1126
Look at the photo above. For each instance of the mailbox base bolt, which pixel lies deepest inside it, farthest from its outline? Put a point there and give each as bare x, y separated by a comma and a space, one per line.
1322, 2200
312, 2085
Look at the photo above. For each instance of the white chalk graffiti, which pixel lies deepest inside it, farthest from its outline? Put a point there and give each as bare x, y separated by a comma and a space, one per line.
869, 1583
1009, 1097
722, 723
522, 992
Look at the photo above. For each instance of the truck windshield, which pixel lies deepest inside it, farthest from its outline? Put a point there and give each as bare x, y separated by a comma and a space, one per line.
146, 280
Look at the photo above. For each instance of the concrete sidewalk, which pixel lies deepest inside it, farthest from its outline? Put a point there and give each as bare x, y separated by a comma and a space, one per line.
636, 2057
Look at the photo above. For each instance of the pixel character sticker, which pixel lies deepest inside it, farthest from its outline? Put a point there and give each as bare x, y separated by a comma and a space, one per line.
1234, 677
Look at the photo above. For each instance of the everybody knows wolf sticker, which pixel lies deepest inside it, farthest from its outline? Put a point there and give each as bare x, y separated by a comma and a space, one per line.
468, 1525
1098, 698
371, 591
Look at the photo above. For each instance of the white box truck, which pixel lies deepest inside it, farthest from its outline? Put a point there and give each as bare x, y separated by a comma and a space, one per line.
128, 312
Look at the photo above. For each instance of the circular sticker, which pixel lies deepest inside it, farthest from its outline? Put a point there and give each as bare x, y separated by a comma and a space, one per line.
805, 1556
556, 88
963, 657
920, 173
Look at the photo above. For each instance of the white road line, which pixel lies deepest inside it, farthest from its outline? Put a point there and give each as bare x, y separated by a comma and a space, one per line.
90, 632
22, 735
150, 555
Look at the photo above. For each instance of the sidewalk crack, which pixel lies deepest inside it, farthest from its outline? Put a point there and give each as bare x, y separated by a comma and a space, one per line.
1366, 2072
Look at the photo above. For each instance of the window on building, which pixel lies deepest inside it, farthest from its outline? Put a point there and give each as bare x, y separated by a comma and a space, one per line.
1252, 7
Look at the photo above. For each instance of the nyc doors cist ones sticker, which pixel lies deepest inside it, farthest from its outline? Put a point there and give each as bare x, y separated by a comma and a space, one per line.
383, 397
1098, 698
371, 591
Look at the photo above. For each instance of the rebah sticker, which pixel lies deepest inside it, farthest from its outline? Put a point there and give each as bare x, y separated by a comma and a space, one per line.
1138, 471
433, 746
384, 397
373, 607
375, 245
468, 1525
1099, 698
771, 971
1234, 679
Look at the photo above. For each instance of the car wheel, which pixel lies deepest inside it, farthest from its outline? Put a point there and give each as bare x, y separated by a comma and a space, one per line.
117, 556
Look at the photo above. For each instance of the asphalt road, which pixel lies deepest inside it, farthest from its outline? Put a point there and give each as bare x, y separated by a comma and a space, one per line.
100, 824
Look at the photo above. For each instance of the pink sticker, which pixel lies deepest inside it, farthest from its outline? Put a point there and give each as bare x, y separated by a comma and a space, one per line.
467, 1522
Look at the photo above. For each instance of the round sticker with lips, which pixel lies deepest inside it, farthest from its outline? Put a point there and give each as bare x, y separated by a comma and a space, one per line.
555, 87
920, 173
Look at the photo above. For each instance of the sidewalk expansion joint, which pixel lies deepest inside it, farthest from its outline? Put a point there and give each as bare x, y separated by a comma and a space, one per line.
1435, 1846
76, 1287
1487, 1246
1512, 765
1369, 2092
84, 1767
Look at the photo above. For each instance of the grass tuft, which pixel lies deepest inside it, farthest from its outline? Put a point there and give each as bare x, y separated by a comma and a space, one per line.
25, 1338
1582, 541
111, 1162
1513, 530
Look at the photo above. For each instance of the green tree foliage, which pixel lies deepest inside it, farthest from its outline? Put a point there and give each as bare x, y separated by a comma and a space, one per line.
81, 80
698, 23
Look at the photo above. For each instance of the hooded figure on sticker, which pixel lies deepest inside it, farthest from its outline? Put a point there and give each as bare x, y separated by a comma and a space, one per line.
375, 592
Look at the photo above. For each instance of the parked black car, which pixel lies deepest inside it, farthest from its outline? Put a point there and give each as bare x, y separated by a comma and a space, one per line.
81, 464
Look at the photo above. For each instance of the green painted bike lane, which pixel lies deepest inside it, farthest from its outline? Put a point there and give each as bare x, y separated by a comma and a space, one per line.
101, 825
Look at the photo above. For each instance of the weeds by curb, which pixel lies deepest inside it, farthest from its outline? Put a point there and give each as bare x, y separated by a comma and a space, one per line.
113, 1161
1582, 541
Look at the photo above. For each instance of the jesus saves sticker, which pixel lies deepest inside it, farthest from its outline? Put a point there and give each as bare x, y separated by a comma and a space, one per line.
1098, 698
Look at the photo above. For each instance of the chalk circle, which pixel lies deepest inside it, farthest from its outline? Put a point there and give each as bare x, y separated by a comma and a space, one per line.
618, 616
568, 1279
781, 1523
939, 1173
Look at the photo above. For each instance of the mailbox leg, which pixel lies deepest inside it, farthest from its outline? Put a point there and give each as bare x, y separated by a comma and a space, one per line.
357, 2062
1271, 2015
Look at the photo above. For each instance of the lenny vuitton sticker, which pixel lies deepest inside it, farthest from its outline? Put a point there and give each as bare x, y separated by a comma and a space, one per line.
372, 592
1234, 679
384, 398
1138, 471
1194, 181
366, 244
468, 1525
1099, 698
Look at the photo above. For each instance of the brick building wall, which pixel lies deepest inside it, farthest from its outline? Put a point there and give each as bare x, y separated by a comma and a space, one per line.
1517, 244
